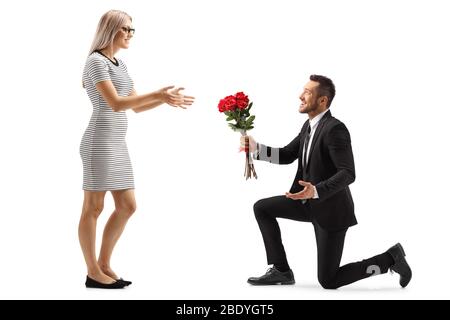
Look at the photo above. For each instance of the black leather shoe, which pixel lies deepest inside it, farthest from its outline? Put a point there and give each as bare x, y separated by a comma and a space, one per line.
400, 265
91, 283
273, 276
126, 282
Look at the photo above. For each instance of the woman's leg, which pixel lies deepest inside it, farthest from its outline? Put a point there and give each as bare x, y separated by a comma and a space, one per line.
92, 207
125, 207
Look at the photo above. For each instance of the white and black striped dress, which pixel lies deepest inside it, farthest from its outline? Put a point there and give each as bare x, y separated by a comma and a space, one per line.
103, 150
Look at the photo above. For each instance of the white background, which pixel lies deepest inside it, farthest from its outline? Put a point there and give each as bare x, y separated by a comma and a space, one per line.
194, 235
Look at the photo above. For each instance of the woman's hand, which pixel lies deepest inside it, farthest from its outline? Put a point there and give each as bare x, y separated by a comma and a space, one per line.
174, 98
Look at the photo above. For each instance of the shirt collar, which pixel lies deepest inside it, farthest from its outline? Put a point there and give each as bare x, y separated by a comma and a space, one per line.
315, 121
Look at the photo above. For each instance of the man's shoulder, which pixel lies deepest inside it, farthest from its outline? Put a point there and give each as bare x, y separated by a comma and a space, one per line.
333, 123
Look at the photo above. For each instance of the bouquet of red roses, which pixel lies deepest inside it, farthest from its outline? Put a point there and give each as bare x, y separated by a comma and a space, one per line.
237, 108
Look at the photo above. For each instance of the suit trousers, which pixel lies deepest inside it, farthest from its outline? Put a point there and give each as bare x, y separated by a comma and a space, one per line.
330, 244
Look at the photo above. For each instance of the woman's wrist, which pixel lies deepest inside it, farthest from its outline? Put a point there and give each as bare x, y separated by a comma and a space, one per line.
159, 96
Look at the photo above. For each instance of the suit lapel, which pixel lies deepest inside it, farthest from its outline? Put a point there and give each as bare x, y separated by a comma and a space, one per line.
302, 142
322, 122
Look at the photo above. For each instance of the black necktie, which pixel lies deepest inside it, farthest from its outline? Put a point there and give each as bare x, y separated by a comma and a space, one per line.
305, 154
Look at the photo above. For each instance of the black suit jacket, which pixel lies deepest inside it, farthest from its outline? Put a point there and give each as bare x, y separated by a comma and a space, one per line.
330, 169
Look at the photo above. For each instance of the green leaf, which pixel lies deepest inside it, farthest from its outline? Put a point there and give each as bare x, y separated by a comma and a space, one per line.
249, 106
227, 113
249, 128
250, 120
230, 118
232, 126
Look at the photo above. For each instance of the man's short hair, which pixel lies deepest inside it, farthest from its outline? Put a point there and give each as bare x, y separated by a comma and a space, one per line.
326, 87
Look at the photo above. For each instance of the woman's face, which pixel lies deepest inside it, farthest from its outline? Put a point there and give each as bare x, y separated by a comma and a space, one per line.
123, 37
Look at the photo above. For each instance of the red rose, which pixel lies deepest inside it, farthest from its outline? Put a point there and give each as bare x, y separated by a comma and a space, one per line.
230, 103
241, 100
222, 106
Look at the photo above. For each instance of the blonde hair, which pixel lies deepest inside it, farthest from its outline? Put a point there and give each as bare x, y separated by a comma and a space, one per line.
108, 26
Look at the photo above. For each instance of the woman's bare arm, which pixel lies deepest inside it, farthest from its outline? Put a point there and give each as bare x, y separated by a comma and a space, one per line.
149, 106
118, 103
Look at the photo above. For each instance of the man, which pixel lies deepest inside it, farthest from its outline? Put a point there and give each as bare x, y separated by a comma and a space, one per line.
319, 194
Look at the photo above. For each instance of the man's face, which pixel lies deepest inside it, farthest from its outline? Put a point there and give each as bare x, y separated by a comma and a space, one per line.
309, 97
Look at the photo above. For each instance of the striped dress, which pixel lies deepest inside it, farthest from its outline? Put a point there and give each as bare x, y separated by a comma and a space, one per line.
103, 150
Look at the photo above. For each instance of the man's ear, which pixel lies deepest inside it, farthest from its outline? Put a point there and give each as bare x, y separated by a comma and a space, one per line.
323, 100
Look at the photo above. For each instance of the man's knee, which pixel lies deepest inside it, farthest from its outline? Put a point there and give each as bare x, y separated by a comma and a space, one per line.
327, 282
259, 208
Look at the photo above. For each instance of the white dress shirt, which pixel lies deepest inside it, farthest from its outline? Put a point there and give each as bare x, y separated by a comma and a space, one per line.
313, 123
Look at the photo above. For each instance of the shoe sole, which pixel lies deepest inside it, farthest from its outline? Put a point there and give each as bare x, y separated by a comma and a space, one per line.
272, 284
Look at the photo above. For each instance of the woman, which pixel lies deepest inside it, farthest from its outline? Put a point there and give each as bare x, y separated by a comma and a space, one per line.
106, 163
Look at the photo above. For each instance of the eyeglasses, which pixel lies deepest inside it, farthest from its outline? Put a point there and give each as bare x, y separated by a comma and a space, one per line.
128, 30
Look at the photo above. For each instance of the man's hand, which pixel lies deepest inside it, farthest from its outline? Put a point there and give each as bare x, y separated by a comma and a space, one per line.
306, 193
252, 144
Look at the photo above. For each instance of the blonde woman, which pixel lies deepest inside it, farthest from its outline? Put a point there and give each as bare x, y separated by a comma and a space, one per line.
104, 153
